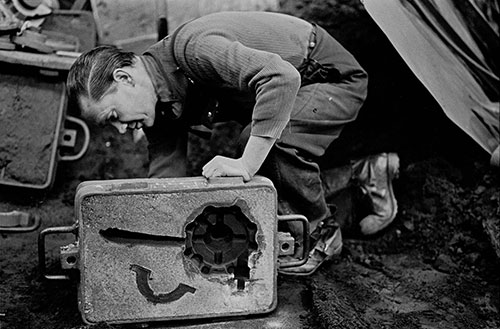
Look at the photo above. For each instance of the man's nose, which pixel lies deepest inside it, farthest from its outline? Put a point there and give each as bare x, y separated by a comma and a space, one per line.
121, 127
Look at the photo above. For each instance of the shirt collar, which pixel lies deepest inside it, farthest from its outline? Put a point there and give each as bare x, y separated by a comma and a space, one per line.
162, 88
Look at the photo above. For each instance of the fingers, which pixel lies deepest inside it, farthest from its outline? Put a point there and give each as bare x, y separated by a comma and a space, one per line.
210, 169
222, 166
211, 172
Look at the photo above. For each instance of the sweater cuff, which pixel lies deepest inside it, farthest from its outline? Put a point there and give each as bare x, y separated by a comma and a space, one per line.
268, 128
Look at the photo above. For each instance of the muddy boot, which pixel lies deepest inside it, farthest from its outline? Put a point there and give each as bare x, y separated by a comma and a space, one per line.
374, 175
326, 241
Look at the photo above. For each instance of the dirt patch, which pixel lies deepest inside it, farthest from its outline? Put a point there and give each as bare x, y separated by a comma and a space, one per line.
30, 108
434, 267
401, 292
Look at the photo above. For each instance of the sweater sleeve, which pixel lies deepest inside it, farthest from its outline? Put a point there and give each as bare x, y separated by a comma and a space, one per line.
218, 60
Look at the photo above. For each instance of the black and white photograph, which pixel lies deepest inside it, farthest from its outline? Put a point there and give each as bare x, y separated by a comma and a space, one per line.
267, 164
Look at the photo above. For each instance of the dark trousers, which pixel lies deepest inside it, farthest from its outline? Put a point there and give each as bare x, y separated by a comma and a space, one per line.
298, 183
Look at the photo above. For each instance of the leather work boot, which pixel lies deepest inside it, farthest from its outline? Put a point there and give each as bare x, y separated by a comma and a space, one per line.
327, 243
374, 175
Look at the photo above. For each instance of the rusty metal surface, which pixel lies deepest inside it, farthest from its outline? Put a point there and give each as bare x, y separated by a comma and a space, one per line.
133, 263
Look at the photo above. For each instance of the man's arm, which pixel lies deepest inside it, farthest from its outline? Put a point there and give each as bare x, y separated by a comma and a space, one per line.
275, 83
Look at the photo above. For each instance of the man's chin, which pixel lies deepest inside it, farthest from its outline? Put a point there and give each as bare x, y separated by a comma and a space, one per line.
148, 122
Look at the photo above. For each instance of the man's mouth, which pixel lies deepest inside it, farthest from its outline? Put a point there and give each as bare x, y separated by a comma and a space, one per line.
134, 125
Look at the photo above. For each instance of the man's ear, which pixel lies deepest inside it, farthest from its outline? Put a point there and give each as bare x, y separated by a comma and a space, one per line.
121, 75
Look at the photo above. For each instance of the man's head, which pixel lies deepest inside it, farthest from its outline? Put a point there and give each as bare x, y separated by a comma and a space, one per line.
113, 87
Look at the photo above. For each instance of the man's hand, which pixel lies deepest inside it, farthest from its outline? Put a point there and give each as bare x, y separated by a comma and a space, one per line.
223, 166
253, 156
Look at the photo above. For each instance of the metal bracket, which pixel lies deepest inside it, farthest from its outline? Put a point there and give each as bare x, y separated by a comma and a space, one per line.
69, 256
286, 244
68, 138
41, 249
285, 241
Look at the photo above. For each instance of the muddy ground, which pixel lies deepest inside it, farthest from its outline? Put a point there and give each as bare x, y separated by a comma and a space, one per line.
434, 267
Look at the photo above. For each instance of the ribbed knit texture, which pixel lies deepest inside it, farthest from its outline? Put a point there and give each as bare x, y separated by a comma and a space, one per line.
254, 52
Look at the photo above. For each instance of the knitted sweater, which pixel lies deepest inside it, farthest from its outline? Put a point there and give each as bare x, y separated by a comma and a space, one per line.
253, 52
253, 55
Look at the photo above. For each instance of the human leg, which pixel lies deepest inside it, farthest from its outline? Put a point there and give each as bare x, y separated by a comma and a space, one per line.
320, 112
318, 118
300, 191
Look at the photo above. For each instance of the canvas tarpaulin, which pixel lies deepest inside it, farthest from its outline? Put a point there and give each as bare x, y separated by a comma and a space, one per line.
452, 47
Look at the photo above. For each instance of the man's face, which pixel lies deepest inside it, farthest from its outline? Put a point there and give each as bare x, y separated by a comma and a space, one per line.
127, 105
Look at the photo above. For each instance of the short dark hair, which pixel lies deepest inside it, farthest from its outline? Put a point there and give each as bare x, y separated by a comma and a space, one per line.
91, 75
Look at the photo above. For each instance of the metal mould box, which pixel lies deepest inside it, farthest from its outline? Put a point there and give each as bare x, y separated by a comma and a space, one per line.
32, 113
173, 249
